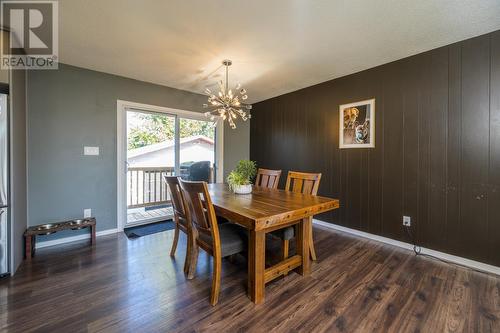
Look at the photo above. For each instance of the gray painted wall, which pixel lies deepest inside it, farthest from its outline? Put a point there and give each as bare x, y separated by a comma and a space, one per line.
18, 185
73, 107
236, 145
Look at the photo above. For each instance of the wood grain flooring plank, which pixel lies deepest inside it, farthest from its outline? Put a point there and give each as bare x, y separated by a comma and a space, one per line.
357, 285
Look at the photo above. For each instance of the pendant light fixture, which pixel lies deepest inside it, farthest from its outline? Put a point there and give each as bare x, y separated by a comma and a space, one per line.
227, 104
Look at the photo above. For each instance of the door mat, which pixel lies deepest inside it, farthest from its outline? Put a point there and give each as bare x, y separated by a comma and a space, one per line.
149, 229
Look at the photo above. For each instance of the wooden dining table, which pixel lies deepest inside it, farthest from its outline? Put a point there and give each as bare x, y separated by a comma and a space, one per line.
265, 210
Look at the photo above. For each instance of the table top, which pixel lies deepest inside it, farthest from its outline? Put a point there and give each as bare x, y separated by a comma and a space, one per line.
266, 208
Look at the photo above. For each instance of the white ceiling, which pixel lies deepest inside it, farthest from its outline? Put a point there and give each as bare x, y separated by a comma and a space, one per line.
277, 46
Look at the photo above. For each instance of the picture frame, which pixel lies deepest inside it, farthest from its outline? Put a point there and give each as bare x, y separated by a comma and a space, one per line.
357, 124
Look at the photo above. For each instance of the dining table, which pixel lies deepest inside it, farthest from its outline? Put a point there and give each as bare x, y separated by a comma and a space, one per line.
265, 210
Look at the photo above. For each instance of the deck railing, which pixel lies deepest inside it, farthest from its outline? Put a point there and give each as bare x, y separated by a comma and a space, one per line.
146, 186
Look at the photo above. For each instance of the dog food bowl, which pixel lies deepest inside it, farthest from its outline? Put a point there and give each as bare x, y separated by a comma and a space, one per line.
78, 224
47, 227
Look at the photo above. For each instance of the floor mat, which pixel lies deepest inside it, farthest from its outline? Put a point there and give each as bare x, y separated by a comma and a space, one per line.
148, 229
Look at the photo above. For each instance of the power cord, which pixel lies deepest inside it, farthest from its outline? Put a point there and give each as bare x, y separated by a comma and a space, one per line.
417, 249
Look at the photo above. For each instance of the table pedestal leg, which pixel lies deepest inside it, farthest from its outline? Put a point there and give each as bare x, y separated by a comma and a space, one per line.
28, 246
256, 265
92, 234
303, 237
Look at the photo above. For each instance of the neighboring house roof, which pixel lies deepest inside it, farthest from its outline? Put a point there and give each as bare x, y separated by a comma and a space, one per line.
166, 144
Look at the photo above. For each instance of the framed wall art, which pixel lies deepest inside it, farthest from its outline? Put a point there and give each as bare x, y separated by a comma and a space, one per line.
357, 125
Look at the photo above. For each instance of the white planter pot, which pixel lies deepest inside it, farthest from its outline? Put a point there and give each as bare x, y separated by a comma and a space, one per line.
242, 189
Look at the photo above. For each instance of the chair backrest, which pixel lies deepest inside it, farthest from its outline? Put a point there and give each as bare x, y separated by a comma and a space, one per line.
176, 195
268, 178
200, 210
301, 182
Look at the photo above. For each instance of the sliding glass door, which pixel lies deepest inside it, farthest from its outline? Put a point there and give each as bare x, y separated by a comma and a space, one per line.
159, 144
150, 156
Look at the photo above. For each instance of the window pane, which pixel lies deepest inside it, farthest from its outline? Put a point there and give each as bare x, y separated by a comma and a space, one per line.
150, 156
197, 149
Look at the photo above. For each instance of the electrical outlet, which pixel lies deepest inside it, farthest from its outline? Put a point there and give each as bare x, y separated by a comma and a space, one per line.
407, 221
87, 212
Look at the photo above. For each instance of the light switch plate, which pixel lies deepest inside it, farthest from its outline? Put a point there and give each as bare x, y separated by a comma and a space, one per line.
87, 213
92, 151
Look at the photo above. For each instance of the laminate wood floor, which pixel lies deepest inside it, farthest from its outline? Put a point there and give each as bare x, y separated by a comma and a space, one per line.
356, 285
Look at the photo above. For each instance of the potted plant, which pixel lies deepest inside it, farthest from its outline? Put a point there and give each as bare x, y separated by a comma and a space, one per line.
240, 179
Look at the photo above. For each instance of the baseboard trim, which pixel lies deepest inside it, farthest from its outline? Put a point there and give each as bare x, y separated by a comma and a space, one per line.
65, 240
441, 255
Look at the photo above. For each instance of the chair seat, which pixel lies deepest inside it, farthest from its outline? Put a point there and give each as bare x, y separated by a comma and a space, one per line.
221, 220
232, 239
285, 233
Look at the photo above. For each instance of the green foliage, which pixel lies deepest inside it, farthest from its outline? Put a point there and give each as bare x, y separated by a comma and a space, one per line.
243, 174
235, 179
190, 127
247, 169
148, 129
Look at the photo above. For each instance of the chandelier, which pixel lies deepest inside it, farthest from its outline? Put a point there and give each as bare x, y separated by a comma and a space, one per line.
225, 103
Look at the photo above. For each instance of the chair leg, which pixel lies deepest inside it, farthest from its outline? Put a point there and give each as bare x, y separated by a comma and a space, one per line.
189, 253
193, 261
312, 251
285, 244
214, 295
188, 258
176, 239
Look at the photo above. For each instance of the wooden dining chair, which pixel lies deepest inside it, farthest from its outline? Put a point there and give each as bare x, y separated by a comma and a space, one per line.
299, 182
218, 240
180, 218
268, 178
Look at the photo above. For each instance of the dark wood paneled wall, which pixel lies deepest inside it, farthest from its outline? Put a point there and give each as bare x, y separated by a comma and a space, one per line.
437, 155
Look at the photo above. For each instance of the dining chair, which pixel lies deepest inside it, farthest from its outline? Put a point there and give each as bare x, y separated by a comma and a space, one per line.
268, 178
180, 218
299, 182
218, 240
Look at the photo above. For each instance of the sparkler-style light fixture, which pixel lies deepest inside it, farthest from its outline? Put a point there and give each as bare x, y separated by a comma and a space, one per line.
225, 103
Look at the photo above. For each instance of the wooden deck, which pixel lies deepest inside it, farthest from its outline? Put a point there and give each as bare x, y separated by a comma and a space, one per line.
135, 215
